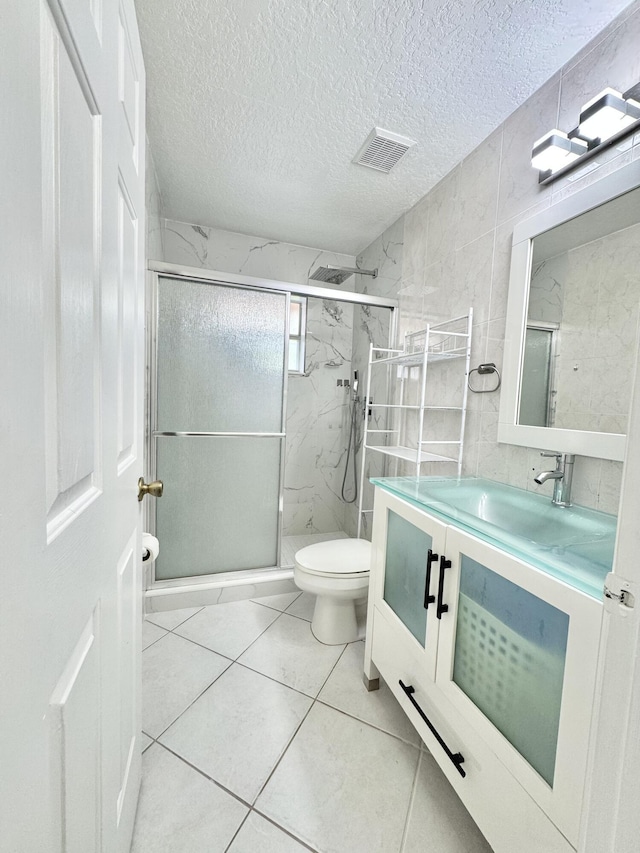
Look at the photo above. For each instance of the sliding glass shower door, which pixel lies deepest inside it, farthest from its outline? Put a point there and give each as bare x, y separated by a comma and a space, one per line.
218, 426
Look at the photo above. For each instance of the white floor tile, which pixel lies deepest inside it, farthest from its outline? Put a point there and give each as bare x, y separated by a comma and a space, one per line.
228, 628
342, 785
288, 652
238, 729
174, 673
258, 835
345, 691
303, 606
180, 811
438, 815
150, 633
277, 602
170, 619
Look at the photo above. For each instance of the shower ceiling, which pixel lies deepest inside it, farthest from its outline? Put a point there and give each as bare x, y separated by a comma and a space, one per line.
256, 108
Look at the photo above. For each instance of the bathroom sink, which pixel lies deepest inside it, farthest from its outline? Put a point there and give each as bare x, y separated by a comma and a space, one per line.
573, 543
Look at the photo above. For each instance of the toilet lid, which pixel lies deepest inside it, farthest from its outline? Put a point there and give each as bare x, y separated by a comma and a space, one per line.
336, 557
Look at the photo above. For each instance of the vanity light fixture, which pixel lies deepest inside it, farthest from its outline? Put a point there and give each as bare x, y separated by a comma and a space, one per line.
607, 114
555, 150
604, 120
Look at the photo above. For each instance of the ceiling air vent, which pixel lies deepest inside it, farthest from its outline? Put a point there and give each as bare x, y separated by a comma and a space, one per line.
383, 149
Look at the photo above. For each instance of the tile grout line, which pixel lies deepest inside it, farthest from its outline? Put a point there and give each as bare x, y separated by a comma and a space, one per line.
157, 639
234, 660
262, 604
367, 723
147, 617
205, 775
236, 833
293, 736
202, 692
410, 804
282, 829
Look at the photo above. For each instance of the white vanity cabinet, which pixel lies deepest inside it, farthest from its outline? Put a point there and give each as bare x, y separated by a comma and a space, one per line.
494, 661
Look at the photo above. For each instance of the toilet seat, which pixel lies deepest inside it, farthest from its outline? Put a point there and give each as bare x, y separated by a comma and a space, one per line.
339, 558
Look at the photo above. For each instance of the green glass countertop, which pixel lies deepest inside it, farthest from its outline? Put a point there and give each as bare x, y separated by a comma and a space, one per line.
573, 544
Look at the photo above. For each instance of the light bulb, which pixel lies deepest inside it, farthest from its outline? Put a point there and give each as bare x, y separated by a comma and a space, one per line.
555, 150
607, 114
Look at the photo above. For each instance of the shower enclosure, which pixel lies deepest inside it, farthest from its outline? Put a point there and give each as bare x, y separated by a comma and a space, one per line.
218, 420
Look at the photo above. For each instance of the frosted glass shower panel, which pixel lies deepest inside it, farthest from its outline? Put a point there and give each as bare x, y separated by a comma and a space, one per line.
231, 343
509, 659
220, 508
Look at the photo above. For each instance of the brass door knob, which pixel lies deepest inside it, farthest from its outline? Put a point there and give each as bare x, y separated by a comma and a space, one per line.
154, 489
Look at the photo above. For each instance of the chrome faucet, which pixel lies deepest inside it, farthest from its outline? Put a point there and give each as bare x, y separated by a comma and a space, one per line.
562, 477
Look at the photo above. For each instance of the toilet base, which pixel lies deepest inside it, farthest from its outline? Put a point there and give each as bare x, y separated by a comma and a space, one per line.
335, 621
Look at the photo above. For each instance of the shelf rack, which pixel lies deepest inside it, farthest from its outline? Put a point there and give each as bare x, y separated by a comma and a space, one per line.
438, 343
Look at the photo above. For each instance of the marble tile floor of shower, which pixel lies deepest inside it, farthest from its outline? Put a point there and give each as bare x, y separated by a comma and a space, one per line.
259, 739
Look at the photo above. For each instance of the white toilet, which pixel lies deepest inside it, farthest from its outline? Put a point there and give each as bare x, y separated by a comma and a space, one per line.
337, 573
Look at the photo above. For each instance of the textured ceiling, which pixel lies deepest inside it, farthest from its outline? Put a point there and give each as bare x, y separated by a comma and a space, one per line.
256, 108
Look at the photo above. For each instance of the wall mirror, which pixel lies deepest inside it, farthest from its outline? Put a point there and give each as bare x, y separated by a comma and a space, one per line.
573, 322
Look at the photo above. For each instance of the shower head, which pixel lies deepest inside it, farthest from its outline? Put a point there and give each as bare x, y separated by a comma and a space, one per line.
337, 275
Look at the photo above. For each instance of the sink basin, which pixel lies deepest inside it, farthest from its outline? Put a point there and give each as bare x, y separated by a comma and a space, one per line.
574, 544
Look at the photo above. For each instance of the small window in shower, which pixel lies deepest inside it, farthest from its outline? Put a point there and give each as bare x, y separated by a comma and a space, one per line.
297, 330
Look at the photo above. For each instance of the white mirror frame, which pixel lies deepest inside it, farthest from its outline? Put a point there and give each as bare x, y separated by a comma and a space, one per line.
599, 444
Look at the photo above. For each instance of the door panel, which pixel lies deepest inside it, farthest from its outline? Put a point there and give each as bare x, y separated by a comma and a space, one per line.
218, 437
71, 190
517, 658
509, 660
72, 321
128, 320
220, 510
75, 746
221, 358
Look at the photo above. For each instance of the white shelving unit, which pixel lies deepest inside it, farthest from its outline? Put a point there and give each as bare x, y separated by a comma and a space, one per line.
422, 351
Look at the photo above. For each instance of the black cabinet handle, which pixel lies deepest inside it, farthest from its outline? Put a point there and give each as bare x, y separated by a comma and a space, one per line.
442, 608
429, 599
456, 758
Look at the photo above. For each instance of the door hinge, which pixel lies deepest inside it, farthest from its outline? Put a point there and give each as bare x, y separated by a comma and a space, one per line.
618, 595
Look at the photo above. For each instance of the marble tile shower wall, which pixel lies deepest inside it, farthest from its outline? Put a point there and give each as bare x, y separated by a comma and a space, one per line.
155, 250
318, 424
228, 251
457, 243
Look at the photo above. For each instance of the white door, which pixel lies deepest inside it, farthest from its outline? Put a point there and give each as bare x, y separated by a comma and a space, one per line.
71, 317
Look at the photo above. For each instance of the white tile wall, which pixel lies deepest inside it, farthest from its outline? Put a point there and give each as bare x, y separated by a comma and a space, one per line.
457, 246
228, 251
318, 423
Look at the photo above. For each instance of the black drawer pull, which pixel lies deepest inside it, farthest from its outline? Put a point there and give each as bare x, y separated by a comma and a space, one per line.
429, 599
442, 608
455, 757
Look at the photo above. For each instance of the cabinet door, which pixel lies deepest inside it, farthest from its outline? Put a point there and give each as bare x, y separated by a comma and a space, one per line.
517, 657
407, 546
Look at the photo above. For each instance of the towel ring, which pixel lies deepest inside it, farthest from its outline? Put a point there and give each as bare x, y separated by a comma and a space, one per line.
483, 370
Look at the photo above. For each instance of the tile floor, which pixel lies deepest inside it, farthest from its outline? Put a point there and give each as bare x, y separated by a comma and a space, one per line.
259, 739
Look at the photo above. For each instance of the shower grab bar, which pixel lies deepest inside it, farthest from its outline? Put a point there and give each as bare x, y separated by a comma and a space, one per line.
180, 434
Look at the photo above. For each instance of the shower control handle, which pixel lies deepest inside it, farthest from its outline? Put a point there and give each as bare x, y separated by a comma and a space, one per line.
154, 489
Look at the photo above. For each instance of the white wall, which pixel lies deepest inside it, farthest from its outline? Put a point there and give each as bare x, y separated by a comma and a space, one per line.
457, 244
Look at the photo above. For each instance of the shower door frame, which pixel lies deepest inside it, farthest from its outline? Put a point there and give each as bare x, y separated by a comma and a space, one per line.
160, 269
